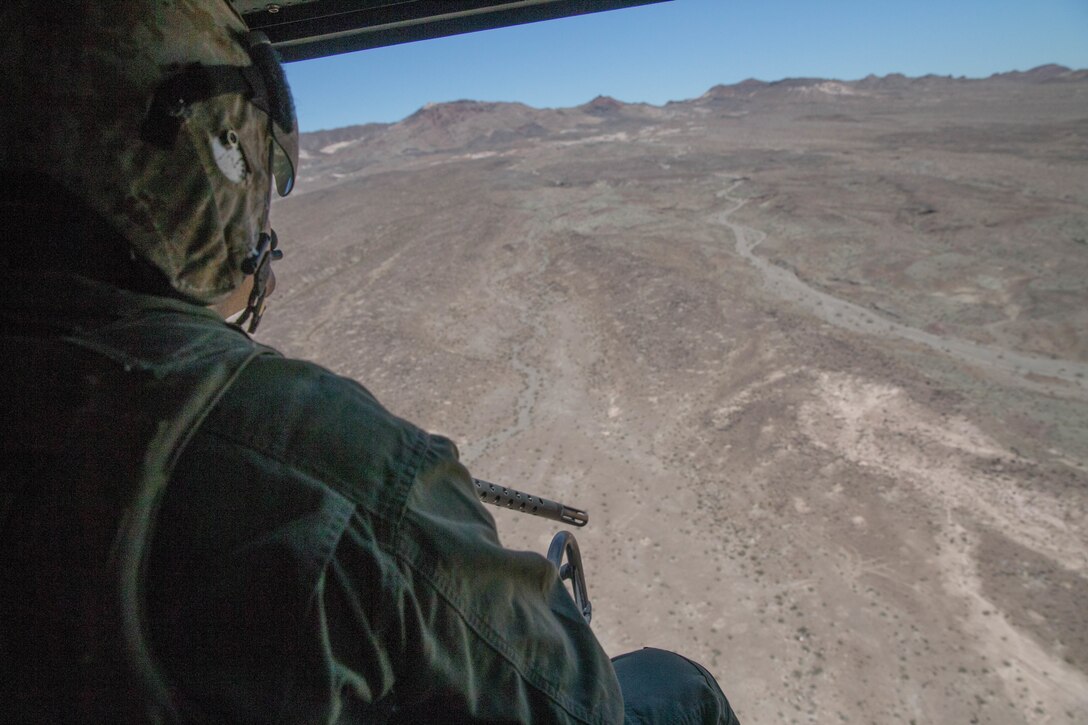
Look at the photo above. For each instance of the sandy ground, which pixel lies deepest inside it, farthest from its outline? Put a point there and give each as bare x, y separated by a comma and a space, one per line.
816, 368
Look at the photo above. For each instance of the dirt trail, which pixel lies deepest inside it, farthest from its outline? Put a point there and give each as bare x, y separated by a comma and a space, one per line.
529, 331
523, 407
1071, 378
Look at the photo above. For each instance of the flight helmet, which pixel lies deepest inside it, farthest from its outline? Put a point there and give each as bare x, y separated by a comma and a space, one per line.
169, 121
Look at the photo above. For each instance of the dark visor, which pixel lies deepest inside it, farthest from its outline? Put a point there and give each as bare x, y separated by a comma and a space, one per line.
280, 107
263, 83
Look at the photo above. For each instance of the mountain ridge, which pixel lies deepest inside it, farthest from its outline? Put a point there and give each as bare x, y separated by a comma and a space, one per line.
439, 113
490, 127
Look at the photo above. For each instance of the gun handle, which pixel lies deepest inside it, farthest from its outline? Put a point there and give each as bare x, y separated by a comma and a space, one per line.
565, 545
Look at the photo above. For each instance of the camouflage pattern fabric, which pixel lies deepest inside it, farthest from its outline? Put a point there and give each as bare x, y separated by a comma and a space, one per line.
78, 82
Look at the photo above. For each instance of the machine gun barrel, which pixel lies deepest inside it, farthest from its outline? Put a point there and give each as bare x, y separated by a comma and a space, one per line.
510, 498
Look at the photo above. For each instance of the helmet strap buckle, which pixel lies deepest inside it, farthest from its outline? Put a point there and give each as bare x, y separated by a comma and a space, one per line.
259, 264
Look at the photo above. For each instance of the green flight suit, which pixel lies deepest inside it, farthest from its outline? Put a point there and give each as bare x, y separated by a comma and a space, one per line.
312, 557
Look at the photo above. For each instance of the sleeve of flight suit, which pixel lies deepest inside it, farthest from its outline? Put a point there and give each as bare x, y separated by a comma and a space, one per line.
474, 631
357, 577
471, 630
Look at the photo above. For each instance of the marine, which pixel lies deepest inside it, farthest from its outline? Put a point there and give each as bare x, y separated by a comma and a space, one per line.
194, 528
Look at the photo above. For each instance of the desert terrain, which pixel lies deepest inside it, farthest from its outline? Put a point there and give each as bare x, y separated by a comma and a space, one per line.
813, 354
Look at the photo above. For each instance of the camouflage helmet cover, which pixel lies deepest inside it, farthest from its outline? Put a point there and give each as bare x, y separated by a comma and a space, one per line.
80, 81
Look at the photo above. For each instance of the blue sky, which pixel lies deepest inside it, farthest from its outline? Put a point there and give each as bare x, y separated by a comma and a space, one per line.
679, 49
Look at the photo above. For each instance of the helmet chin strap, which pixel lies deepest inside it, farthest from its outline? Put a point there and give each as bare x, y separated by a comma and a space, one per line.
259, 264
